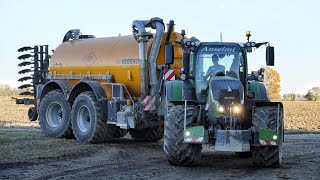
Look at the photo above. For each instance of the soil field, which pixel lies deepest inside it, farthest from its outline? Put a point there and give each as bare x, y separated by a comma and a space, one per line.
25, 153
299, 115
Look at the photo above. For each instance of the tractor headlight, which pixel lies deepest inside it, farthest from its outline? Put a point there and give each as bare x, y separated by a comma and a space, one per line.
236, 109
220, 109
187, 133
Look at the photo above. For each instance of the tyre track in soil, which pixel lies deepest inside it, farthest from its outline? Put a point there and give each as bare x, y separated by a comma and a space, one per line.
126, 159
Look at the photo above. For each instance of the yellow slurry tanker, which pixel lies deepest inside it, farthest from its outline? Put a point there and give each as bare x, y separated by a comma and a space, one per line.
155, 85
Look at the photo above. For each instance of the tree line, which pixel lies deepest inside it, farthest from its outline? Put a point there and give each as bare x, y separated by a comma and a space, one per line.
272, 84
313, 94
7, 90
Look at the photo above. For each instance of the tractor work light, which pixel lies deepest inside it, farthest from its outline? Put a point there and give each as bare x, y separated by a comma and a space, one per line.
187, 133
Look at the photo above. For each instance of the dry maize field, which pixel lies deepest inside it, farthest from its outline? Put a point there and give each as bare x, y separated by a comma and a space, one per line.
299, 115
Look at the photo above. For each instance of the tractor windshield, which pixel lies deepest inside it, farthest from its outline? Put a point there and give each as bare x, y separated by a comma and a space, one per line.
217, 60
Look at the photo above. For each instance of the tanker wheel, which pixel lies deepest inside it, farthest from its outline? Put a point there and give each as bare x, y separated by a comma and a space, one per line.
87, 122
54, 115
267, 156
147, 134
118, 132
177, 152
32, 114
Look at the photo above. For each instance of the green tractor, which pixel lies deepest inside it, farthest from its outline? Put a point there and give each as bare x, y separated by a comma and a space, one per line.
217, 102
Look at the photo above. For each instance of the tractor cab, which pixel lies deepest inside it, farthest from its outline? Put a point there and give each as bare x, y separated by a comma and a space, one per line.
217, 62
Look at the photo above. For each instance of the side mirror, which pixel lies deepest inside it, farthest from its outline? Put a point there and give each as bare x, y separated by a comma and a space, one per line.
270, 56
169, 54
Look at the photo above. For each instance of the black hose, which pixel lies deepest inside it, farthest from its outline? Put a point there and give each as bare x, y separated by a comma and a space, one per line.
170, 28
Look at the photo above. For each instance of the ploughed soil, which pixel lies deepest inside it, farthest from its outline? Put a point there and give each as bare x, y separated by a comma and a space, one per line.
25, 153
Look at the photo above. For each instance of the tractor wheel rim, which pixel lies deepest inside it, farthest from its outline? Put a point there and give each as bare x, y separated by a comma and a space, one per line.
84, 119
54, 114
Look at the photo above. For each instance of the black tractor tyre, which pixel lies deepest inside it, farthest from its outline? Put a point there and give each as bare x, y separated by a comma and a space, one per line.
267, 156
118, 132
54, 115
147, 134
32, 114
177, 152
87, 120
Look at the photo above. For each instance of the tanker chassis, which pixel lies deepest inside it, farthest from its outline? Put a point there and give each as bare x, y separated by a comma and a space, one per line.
155, 85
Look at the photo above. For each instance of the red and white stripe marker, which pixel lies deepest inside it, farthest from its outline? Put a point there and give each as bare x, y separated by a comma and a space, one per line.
169, 75
149, 103
194, 140
262, 142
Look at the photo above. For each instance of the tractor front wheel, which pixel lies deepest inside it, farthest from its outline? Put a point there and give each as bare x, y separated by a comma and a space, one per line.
177, 152
266, 118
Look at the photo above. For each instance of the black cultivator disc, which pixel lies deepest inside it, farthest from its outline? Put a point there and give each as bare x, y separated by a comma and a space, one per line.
26, 48
25, 71
26, 94
25, 63
25, 86
24, 79
25, 56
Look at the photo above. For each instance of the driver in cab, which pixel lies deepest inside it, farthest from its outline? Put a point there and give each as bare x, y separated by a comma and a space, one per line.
215, 68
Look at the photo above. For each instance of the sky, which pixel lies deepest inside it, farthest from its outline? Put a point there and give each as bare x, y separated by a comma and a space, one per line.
292, 27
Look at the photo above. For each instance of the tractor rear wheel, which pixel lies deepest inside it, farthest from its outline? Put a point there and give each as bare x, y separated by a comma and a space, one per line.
87, 121
54, 115
267, 156
177, 152
147, 134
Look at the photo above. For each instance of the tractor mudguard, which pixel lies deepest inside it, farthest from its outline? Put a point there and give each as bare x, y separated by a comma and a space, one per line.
258, 89
194, 135
174, 91
179, 91
268, 136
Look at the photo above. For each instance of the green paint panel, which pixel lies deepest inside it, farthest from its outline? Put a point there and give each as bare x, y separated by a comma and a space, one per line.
195, 132
253, 87
177, 90
267, 135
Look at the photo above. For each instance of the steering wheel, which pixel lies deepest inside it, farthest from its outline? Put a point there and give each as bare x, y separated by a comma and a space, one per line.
218, 73
232, 74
